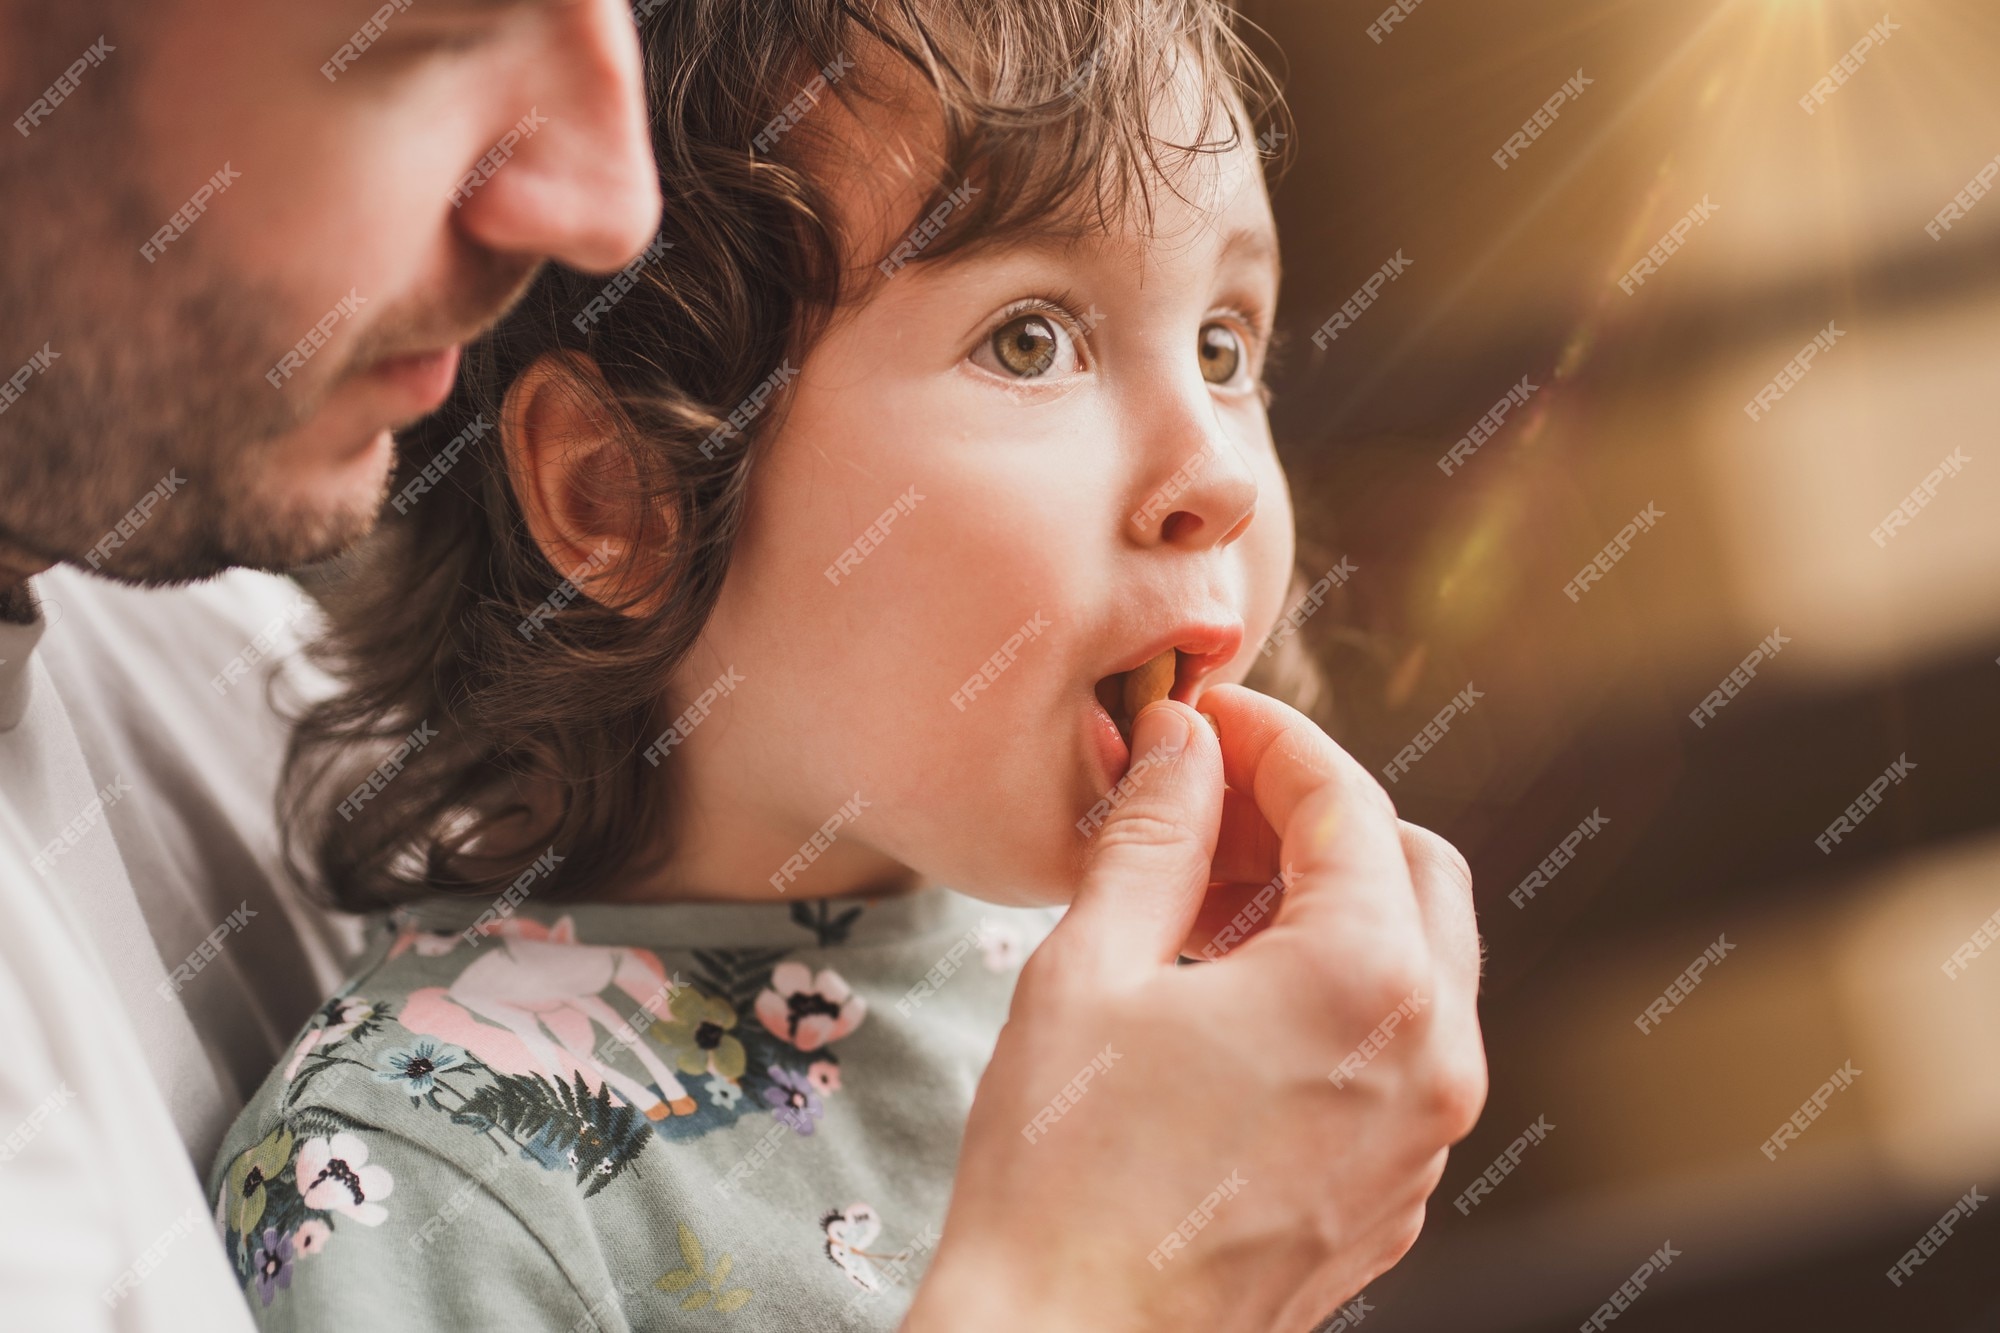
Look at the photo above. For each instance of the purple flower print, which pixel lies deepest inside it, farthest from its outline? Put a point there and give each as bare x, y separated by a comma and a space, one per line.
793, 1100
272, 1264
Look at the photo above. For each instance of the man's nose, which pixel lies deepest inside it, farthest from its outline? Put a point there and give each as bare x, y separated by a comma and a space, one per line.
581, 185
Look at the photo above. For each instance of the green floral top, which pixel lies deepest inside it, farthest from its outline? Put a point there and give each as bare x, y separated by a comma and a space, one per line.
595, 1117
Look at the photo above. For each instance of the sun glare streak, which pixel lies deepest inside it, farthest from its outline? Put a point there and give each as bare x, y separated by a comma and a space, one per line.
1741, 105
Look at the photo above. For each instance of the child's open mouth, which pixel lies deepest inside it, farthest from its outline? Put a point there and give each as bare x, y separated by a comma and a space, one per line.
1123, 694
1174, 672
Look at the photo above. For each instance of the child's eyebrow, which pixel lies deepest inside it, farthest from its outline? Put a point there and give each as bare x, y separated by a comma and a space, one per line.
1256, 244
496, 6
1253, 245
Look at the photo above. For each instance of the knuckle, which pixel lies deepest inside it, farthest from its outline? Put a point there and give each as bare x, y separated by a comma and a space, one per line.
1139, 828
1352, 783
1067, 976
1042, 967
1436, 854
1403, 1237
1455, 1094
1433, 1174
1390, 979
1370, 792
1058, 976
1338, 1220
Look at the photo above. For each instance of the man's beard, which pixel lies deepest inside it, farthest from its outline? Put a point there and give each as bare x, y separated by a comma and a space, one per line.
156, 387
152, 400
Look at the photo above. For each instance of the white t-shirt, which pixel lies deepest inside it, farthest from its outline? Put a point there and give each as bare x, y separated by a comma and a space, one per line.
146, 923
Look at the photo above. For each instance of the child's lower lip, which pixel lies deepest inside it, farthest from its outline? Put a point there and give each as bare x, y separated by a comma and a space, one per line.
1113, 755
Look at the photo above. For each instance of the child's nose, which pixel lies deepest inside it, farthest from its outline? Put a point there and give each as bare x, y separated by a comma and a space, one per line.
1203, 493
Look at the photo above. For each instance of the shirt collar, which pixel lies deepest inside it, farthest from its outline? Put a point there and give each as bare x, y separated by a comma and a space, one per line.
17, 650
820, 922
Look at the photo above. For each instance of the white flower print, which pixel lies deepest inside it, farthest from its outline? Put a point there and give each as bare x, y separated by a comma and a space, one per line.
334, 1175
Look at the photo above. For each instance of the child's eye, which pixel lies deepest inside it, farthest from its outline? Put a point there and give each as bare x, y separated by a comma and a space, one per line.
1221, 353
1029, 346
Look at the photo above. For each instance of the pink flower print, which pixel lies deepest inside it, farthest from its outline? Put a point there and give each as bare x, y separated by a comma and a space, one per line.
1000, 945
849, 1233
305, 1048
311, 1238
334, 1176
339, 1016
824, 1075
809, 1011
345, 1014
427, 943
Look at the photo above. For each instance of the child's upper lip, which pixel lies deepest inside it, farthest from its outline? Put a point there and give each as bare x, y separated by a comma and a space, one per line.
1205, 646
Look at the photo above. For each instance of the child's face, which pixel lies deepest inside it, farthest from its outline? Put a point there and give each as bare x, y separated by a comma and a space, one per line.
1068, 452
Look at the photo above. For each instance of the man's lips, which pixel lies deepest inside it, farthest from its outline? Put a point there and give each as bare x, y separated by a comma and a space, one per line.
421, 379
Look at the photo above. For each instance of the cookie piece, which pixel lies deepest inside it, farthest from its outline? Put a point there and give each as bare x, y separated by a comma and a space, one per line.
1147, 684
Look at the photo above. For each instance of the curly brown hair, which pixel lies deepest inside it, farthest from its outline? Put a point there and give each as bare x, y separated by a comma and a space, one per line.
527, 741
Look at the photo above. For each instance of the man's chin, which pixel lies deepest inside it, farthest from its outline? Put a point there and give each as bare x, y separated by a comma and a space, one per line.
286, 518
311, 539
376, 452
319, 512
270, 540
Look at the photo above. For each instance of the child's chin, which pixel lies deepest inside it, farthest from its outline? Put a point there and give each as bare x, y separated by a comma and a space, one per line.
1025, 891
1036, 869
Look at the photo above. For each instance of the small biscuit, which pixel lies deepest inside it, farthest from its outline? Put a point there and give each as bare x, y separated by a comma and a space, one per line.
1148, 684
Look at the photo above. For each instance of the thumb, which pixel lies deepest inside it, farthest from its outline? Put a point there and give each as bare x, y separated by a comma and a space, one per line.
1147, 866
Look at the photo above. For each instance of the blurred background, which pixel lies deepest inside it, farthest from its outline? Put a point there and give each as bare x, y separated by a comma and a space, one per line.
1888, 649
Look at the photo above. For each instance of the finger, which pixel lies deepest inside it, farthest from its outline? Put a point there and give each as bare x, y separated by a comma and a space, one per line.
1148, 862
1442, 883
1230, 913
1246, 850
1336, 827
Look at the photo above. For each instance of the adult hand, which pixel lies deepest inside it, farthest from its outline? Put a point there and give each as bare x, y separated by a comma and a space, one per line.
1242, 1144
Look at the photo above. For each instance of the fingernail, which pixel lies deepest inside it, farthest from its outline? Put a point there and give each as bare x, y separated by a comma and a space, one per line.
1213, 725
1160, 730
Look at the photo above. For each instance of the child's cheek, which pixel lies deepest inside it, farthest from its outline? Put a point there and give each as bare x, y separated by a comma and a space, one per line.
1277, 552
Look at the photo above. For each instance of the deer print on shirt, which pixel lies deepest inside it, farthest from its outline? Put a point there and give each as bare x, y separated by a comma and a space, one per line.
534, 1004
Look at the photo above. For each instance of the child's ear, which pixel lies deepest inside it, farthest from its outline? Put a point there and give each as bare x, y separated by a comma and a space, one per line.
569, 461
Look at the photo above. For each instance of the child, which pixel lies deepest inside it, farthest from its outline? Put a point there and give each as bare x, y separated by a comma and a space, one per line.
735, 606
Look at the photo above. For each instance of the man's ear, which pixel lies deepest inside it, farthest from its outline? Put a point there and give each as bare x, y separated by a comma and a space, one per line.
570, 464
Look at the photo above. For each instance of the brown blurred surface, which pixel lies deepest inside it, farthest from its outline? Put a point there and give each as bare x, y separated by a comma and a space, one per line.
1766, 527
